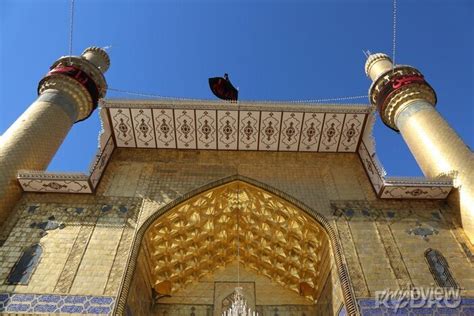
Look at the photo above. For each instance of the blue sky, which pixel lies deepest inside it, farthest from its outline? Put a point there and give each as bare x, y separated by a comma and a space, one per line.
273, 50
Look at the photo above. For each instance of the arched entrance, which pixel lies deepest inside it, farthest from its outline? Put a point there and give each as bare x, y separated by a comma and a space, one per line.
185, 255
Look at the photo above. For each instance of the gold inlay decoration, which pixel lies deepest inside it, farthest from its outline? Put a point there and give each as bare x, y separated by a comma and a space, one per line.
277, 240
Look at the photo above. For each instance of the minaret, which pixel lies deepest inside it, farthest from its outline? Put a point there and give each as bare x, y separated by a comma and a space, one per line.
405, 102
67, 94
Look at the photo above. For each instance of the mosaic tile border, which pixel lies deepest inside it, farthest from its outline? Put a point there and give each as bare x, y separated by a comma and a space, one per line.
55, 304
368, 306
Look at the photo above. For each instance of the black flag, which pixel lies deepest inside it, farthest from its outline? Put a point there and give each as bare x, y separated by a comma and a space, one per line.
223, 88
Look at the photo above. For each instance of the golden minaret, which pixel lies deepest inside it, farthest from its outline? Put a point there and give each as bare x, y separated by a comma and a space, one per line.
67, 94
405, 102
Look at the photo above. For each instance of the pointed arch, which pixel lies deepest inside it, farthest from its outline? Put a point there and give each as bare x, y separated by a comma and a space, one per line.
342, 271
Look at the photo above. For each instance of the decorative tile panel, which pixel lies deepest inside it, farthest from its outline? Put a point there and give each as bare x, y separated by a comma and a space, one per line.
144, 130
102, 159
290, 131
311, 131
56, 304
123, 128
164, 128
206, 129
331, 134
185, 129
54, 182
228, 129
249, 127
69, 271
375, 177
415, 192
351, 132
269, 130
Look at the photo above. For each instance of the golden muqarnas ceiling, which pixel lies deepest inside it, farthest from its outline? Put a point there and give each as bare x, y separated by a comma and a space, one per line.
277, 239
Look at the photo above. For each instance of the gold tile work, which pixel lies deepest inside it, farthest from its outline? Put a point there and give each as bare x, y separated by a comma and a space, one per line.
70, 250
30, 143
351, 258
118, 267
74, 259
156, 178
94, 270
440, 151
277, 240
393, 255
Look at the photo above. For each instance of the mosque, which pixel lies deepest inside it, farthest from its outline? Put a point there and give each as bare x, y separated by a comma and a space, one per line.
200, 207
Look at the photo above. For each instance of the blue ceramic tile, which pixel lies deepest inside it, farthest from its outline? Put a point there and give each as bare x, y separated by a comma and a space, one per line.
342, 312
372, 312
18, 307
391, 214
423, 311
75, 299
367, 303
98, 310
467, 301
468, 311
101, 300
4, 297
399, 312
49, 298
45, 308
123, 209
71, 309
445, 311
22, 297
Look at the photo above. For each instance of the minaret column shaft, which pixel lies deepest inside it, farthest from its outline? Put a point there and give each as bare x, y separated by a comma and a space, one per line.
435, 145
30, 143
67, 94
405, 102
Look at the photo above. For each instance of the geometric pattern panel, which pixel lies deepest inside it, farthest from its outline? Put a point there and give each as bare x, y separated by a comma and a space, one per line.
232, 128
311, 131
206, 131
249, 130
353, 124
60, 183
227, 122
331, 134
270, 130
56, 304
415, 192
290, 131
276, 240
123, 128
185, 129
164, 128
143, 128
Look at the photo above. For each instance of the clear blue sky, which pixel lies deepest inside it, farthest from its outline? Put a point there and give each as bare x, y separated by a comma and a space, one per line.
273, 50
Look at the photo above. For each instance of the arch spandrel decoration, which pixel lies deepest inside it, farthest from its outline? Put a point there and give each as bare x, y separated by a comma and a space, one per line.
202, 196
277, 240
